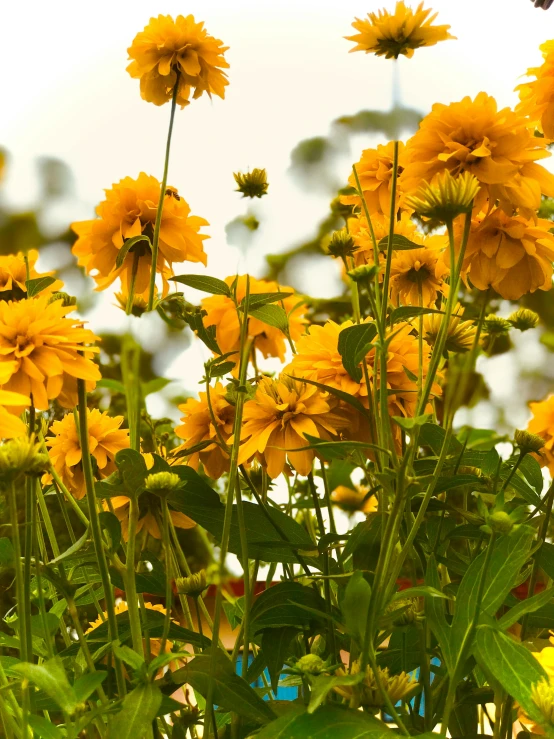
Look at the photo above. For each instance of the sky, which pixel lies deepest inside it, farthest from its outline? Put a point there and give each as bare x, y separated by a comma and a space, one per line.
66, 93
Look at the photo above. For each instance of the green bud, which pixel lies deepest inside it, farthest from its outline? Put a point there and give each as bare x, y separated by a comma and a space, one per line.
528, 442
194, 585
252, 184
500, 522
162, 483
311, 664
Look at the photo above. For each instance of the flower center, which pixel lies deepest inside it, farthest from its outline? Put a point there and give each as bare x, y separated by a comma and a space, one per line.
24, 346
418, 273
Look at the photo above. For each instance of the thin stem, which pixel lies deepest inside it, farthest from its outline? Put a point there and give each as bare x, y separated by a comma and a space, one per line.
245, 577
130, 581
168, 591
96, 530
392, 218
157, 224
131, 296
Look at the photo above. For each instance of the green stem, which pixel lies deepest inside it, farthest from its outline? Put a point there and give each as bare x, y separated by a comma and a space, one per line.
168, 568
130, 581
30, 526
72, 608
131, 296
157, 224
392, 219
245, 577
96, 530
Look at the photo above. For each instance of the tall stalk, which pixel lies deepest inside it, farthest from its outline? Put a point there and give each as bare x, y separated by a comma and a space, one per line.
158, 221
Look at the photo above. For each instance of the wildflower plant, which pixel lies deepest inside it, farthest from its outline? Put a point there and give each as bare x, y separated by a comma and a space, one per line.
395, 569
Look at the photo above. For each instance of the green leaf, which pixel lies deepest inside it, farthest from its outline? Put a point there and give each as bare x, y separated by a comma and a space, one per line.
206, 334
531, 470
354, 344
85, 686
433, 436
127, 246
202, 282
6, 552
38, 284
545, 558
509, 555
79, 544
273, 315
257, 300
140, 708
115, 385
406, 312
275, 649
328, 722
435, 613
355, 605
512, 665
282, 605
399, 243
410, 423
112, 526
338, 449
43, 728
366, 534
322, 685
340, 394
529, 605
133, 470
127, 655
230, 691
154, 386
51, 678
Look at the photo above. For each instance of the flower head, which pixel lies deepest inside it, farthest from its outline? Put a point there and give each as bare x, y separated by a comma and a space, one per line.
445, 197
536, 97
528, 442
13, 276
353, 500
542, 694
361, 234
169, 52
374, 172
128, 211
252, 184
106, 438
524, 319
496, 146
270, 341
21, 456
511, 254
367, 693
193, 585
40, 347
277, 419
542, 424
198, 427
341, 245
417, 276
162, 483
392, 34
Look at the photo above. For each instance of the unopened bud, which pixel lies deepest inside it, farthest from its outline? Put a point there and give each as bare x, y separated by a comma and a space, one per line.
194, 585
524, 319
162, 483
252, 184
527, 442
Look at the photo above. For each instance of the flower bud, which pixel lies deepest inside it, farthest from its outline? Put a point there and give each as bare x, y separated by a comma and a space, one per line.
252, 184
311, 664
445, 197
527, 442
542, 694
500, 522
496, 325
194, 585
364, 273
22, 456
341, 245
524, 319
162, 483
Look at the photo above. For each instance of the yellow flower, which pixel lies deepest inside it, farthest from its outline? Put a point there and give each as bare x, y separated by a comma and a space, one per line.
277, 419
367, 693
511, 254
361, 234
13, 276
417, 276
460, 334
129, 210
40, 346
537, 96
10, 425
375, 174
150, 514
198, 427
542, 424
392, 34
105, 439
350, 500
167, 50
445, 197
252, 184
270, 341
497, 147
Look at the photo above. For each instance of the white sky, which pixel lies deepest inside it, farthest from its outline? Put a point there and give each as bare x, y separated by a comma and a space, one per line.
65, 93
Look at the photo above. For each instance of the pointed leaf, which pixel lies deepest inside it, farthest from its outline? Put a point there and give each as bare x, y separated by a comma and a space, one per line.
139, 709
205, 283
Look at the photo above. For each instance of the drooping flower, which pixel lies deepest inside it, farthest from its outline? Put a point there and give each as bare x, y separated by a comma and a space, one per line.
511, 254
21, 456
252, 184
460, 334
374, 171
150, 512
445, 197
198, 426
106, 438
270, 341
168, 50
496, 146
417, 276
542, 424
40, 347
129, 210
353, 500
13, 276
537, 96
277, 419
399, 33
368, 694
